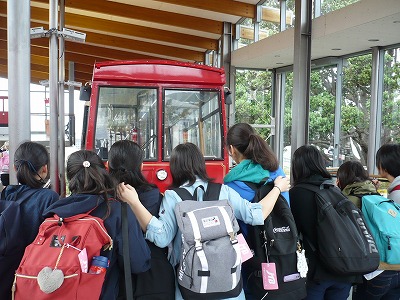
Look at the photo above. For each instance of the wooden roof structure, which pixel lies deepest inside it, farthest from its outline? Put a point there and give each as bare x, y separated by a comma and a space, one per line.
183, 30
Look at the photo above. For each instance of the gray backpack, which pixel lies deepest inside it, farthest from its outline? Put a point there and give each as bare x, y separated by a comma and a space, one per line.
210, 262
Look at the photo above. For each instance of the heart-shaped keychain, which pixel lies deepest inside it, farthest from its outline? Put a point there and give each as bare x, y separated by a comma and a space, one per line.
50, 280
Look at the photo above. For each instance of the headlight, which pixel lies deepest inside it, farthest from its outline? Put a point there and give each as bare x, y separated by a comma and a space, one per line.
162, 174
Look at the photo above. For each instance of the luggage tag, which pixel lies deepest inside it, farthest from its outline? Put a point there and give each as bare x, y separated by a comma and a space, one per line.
245, 251
83, 260
270, 281
82, 256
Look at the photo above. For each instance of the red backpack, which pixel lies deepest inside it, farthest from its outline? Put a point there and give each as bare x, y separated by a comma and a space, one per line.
51, 268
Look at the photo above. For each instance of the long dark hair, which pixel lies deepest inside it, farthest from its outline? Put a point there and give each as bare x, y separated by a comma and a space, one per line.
388, 159
252, 146
28, 159
350, 172
308, 161
125, 159
186, 163
87, 174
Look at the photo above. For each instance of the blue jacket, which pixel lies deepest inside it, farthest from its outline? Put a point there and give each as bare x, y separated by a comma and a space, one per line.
33, 203
139, 251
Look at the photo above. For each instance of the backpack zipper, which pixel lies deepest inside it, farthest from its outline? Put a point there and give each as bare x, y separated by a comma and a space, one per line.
208, 207
14, 286
109, 247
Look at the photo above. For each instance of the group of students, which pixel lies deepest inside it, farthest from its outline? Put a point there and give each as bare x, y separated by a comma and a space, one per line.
155, 254
308, 166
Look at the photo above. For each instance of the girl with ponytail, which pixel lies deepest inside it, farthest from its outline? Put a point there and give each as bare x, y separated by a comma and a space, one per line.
93, 190
254, 158
31, 162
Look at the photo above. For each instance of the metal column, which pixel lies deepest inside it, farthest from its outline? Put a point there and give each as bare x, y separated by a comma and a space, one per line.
71, 90
61, 108
338, 105
301, 74
19, 66
226, 49
283, 15
53, 86
279, 100
376, 108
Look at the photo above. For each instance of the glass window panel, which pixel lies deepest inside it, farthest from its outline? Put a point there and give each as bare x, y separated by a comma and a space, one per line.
287, 121
126, 113
355, 108
270, 20
332, 5
246, 33
391, 97
253, 98
322, 111
193, 116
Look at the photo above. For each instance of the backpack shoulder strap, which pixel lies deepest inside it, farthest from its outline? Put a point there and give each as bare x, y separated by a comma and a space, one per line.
315, 188
183, 194
212, 192
364, 194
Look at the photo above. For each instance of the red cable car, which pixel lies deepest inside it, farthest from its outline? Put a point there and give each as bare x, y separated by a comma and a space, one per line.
158, 104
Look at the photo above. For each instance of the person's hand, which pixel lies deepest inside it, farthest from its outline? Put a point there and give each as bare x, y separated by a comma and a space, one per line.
376, 183
282, 183
127, 193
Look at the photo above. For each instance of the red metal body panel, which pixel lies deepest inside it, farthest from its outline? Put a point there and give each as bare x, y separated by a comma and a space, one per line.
159, 74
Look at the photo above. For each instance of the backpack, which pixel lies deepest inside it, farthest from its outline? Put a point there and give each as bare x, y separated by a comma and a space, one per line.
210, 262
51, 267
12, 241
382, 216
276, 241
345, 244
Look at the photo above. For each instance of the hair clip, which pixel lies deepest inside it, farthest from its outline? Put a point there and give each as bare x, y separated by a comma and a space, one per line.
86, 164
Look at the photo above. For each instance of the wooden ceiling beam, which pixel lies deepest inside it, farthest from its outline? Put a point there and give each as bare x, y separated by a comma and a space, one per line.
121, 44
90, 24
87, 56
37, 75
230, 7
271, 14
100, 53
4, 74
145, 14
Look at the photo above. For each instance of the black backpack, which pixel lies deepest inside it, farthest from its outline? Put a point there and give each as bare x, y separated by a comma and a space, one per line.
276, 241
345, 244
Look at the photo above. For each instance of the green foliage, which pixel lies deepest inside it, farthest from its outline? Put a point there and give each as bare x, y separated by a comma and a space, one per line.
253, 98
331, 5
253, 101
